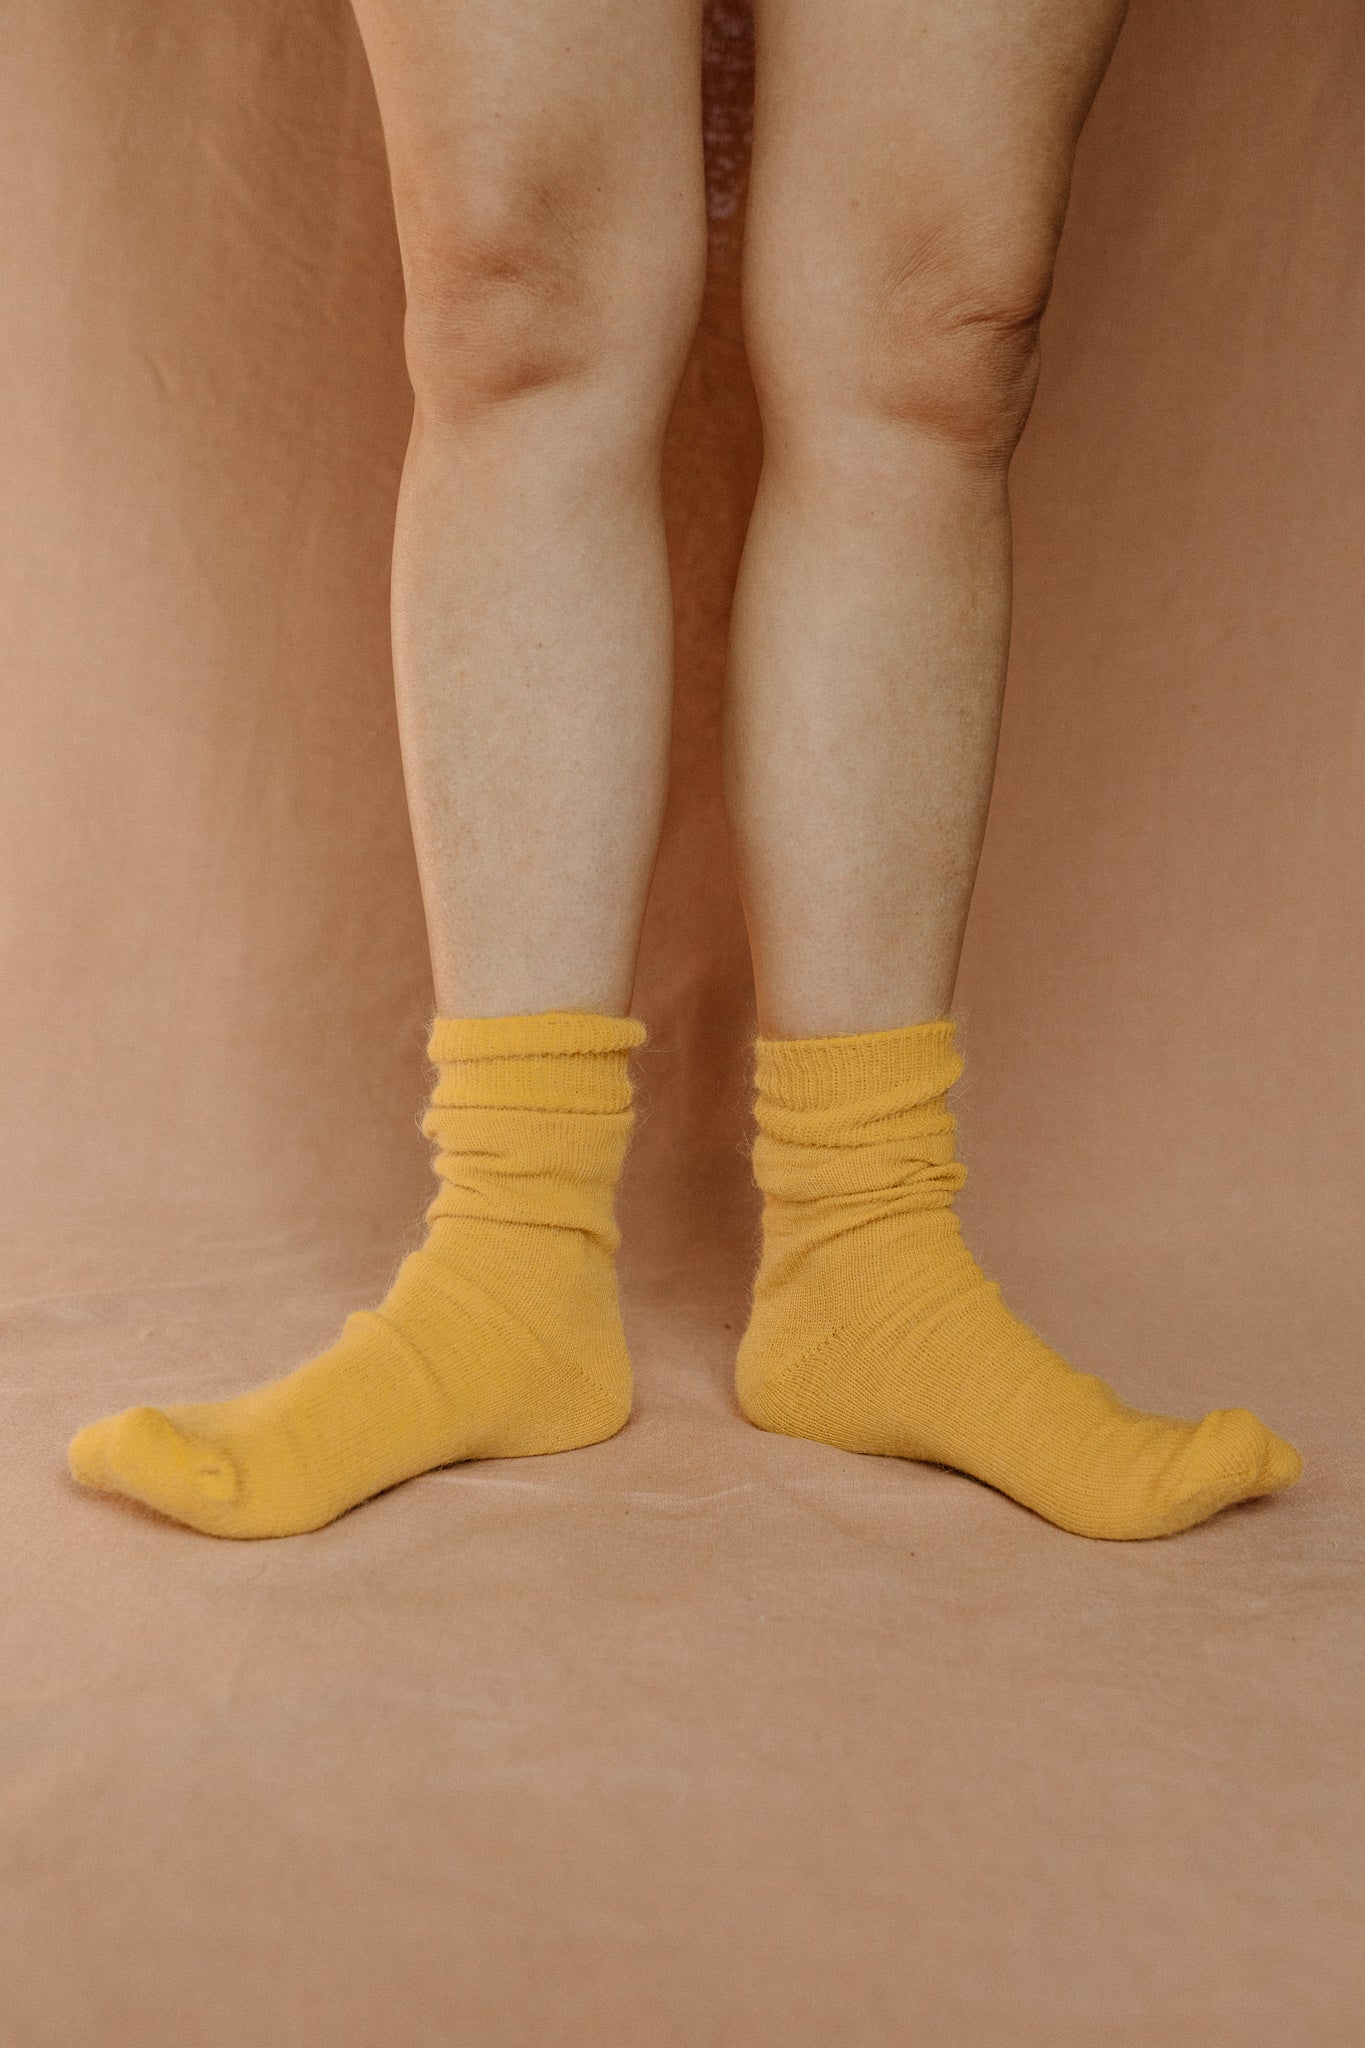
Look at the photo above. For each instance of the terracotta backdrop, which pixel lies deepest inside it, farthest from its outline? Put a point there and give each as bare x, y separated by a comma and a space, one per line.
700, 1738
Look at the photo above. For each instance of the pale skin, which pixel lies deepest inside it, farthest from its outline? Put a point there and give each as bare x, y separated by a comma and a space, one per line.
910, 173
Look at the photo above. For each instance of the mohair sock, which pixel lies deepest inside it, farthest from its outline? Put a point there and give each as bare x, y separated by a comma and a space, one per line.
500, 1337
873, 1327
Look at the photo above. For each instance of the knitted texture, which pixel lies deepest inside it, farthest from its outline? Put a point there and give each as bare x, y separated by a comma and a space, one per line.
500, 1337
873, 1328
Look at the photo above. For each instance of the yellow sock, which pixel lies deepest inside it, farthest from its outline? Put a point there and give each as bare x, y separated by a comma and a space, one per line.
873, 1327
501, 1335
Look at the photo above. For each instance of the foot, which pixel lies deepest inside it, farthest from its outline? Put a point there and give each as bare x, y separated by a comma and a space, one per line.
874, 1328
501, 1336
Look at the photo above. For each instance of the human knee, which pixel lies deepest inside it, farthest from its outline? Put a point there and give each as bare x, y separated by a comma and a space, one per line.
940, 336
515, 286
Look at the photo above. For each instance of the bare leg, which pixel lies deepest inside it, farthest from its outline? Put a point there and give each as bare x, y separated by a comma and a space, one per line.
911, 166
547, 177
546, 163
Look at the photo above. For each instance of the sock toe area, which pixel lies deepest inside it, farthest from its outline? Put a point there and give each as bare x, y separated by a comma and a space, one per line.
85, 1456
1282, 1465
1231, 1456
142, 1454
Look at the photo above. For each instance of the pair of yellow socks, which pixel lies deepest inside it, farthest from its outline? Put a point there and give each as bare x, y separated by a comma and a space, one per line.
872, 1327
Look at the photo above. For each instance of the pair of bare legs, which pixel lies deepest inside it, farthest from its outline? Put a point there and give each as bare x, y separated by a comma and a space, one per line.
910, 171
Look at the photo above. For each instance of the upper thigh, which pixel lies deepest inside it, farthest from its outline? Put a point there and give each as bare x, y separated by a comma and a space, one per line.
914, 155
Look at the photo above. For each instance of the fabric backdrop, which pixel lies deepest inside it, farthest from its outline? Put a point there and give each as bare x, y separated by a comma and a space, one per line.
699, 1738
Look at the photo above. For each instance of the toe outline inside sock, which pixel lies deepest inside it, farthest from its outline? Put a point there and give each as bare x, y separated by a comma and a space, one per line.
143, 1454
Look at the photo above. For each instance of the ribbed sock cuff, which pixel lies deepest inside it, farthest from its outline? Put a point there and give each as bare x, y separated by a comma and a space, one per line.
873, 1073
546, 1059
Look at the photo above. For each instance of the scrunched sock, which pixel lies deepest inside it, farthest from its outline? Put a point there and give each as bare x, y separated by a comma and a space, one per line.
500, 1337
872, 1327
